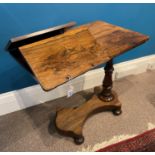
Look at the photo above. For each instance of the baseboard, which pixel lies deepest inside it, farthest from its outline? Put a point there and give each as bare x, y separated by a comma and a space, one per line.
30, 96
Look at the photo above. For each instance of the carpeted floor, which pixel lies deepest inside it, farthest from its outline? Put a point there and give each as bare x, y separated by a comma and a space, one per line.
32, 129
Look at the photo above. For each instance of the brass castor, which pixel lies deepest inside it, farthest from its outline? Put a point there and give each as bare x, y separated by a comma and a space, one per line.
117, 112
79, 140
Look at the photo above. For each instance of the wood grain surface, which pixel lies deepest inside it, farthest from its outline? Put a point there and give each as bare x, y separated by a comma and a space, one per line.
55, 59
70, 121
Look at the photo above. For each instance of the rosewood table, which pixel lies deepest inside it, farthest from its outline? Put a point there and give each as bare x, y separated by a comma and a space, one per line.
59, 54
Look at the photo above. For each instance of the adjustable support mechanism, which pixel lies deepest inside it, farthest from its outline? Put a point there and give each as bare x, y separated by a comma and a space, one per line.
70, 121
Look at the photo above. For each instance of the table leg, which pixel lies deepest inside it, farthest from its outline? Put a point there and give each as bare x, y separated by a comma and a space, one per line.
106, 94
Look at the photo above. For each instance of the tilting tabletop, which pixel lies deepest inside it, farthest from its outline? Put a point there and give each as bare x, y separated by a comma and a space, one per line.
56, 59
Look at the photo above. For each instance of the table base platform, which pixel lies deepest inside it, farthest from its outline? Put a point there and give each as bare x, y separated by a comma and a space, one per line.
70, 121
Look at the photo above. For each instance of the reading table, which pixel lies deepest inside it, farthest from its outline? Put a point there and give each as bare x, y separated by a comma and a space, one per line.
56, 55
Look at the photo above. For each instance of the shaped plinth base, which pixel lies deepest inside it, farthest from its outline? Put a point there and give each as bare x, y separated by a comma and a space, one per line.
70, 121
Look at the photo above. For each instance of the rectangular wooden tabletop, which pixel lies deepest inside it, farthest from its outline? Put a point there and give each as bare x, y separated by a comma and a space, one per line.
54, 60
